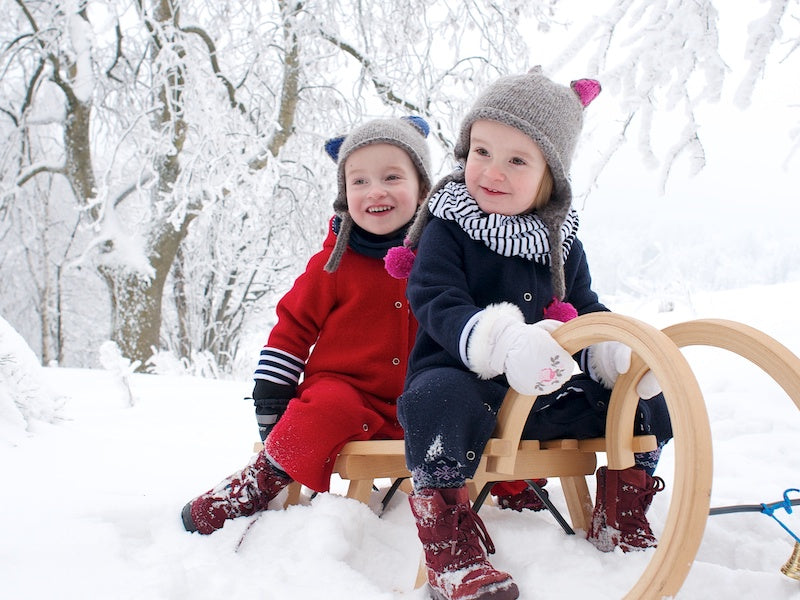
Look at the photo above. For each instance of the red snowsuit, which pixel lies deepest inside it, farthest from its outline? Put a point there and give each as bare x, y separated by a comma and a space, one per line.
358, 321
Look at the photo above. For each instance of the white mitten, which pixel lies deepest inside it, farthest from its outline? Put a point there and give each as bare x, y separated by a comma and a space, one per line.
648, 386
501, 342
609, 360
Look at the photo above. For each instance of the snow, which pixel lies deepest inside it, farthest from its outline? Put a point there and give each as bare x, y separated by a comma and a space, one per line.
92, 499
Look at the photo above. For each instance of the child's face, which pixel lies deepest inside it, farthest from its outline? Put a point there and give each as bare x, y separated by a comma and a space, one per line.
382, 188
504, 168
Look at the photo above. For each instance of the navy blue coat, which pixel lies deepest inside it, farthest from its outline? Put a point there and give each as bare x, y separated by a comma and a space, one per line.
454, 277
445, 405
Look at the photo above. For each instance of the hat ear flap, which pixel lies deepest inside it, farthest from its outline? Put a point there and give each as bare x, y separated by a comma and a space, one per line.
586, 89
419, 123
332, 147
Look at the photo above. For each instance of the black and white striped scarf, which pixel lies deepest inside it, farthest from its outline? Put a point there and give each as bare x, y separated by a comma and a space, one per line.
508, 235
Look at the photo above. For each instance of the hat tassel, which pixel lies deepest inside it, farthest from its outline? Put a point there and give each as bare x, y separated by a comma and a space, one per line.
399, 260
560, 311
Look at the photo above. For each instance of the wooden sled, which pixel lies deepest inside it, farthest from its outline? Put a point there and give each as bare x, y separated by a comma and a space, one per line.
507, 457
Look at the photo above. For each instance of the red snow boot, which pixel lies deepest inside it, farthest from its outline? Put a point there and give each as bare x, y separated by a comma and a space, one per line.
240, 495
518, 495
621, 503
451, 534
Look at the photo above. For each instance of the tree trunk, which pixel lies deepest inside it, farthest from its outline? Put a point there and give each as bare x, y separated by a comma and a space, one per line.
136, 297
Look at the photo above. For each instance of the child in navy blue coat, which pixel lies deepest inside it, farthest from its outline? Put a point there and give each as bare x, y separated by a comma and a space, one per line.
497, 256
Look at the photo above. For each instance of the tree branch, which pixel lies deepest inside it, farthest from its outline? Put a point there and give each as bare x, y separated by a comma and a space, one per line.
212, 55
35, 170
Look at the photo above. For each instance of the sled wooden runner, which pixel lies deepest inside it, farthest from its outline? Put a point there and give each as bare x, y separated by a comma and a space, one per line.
775, 359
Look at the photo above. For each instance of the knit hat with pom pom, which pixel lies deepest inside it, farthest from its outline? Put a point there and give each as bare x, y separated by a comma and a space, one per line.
549, 113
407, 133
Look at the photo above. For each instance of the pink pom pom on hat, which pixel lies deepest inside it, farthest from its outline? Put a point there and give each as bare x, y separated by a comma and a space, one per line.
399, 260
586, 89
560, 311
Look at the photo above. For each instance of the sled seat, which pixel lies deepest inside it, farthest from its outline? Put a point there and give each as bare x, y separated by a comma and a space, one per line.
362, 462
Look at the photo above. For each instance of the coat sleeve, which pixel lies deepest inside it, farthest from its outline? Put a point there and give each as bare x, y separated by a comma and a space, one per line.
301, 314
438, 291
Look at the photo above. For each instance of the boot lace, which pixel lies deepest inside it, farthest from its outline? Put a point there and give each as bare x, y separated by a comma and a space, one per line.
658, 486
469, 532
645, 497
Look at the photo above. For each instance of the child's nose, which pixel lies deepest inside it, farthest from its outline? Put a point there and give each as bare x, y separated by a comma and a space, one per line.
376, 191
494, 171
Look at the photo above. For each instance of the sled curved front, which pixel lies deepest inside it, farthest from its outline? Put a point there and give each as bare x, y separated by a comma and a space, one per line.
771, 356
688, 511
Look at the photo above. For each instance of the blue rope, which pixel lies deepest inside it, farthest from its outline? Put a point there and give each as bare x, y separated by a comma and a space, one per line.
786, 504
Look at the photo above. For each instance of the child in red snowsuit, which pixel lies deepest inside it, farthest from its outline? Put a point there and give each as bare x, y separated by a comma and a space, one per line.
310, 403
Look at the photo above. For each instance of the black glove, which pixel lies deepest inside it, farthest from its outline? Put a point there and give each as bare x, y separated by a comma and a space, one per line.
271, 400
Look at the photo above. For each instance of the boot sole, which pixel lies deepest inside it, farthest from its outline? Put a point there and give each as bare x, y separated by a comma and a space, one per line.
186, 517
487, 593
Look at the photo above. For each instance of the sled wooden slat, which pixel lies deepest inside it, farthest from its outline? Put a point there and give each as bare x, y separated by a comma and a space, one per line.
362, 462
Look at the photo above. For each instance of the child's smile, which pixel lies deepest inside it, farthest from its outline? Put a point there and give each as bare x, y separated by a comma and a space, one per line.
382, 187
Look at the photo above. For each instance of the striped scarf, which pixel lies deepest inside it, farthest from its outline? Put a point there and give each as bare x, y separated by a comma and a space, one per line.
508, 235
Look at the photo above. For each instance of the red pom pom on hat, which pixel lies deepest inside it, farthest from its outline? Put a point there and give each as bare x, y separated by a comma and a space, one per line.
398, 261
560, 311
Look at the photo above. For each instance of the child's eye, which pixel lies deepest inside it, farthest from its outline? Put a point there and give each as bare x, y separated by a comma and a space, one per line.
518, 161
481, 151
393, 177
359, 181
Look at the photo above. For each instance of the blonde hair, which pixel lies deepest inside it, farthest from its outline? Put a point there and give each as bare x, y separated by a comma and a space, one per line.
545, 190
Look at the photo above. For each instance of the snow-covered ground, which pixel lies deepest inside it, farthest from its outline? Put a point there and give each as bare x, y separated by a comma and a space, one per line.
91, 503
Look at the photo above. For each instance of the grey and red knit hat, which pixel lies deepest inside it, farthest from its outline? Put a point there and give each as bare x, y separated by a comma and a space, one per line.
407, 133
549, 113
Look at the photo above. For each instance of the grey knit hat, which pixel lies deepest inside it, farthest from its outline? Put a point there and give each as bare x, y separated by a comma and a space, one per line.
407, 133
549, 113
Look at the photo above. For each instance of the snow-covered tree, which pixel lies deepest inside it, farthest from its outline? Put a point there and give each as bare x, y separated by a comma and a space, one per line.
157, 113
164, 181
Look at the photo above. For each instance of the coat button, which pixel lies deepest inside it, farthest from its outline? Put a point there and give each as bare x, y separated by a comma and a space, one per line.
365, 427
527, 296
398, 304
395, 361
470, 455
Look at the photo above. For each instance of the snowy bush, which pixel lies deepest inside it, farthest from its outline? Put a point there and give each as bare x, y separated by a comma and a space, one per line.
24, 395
